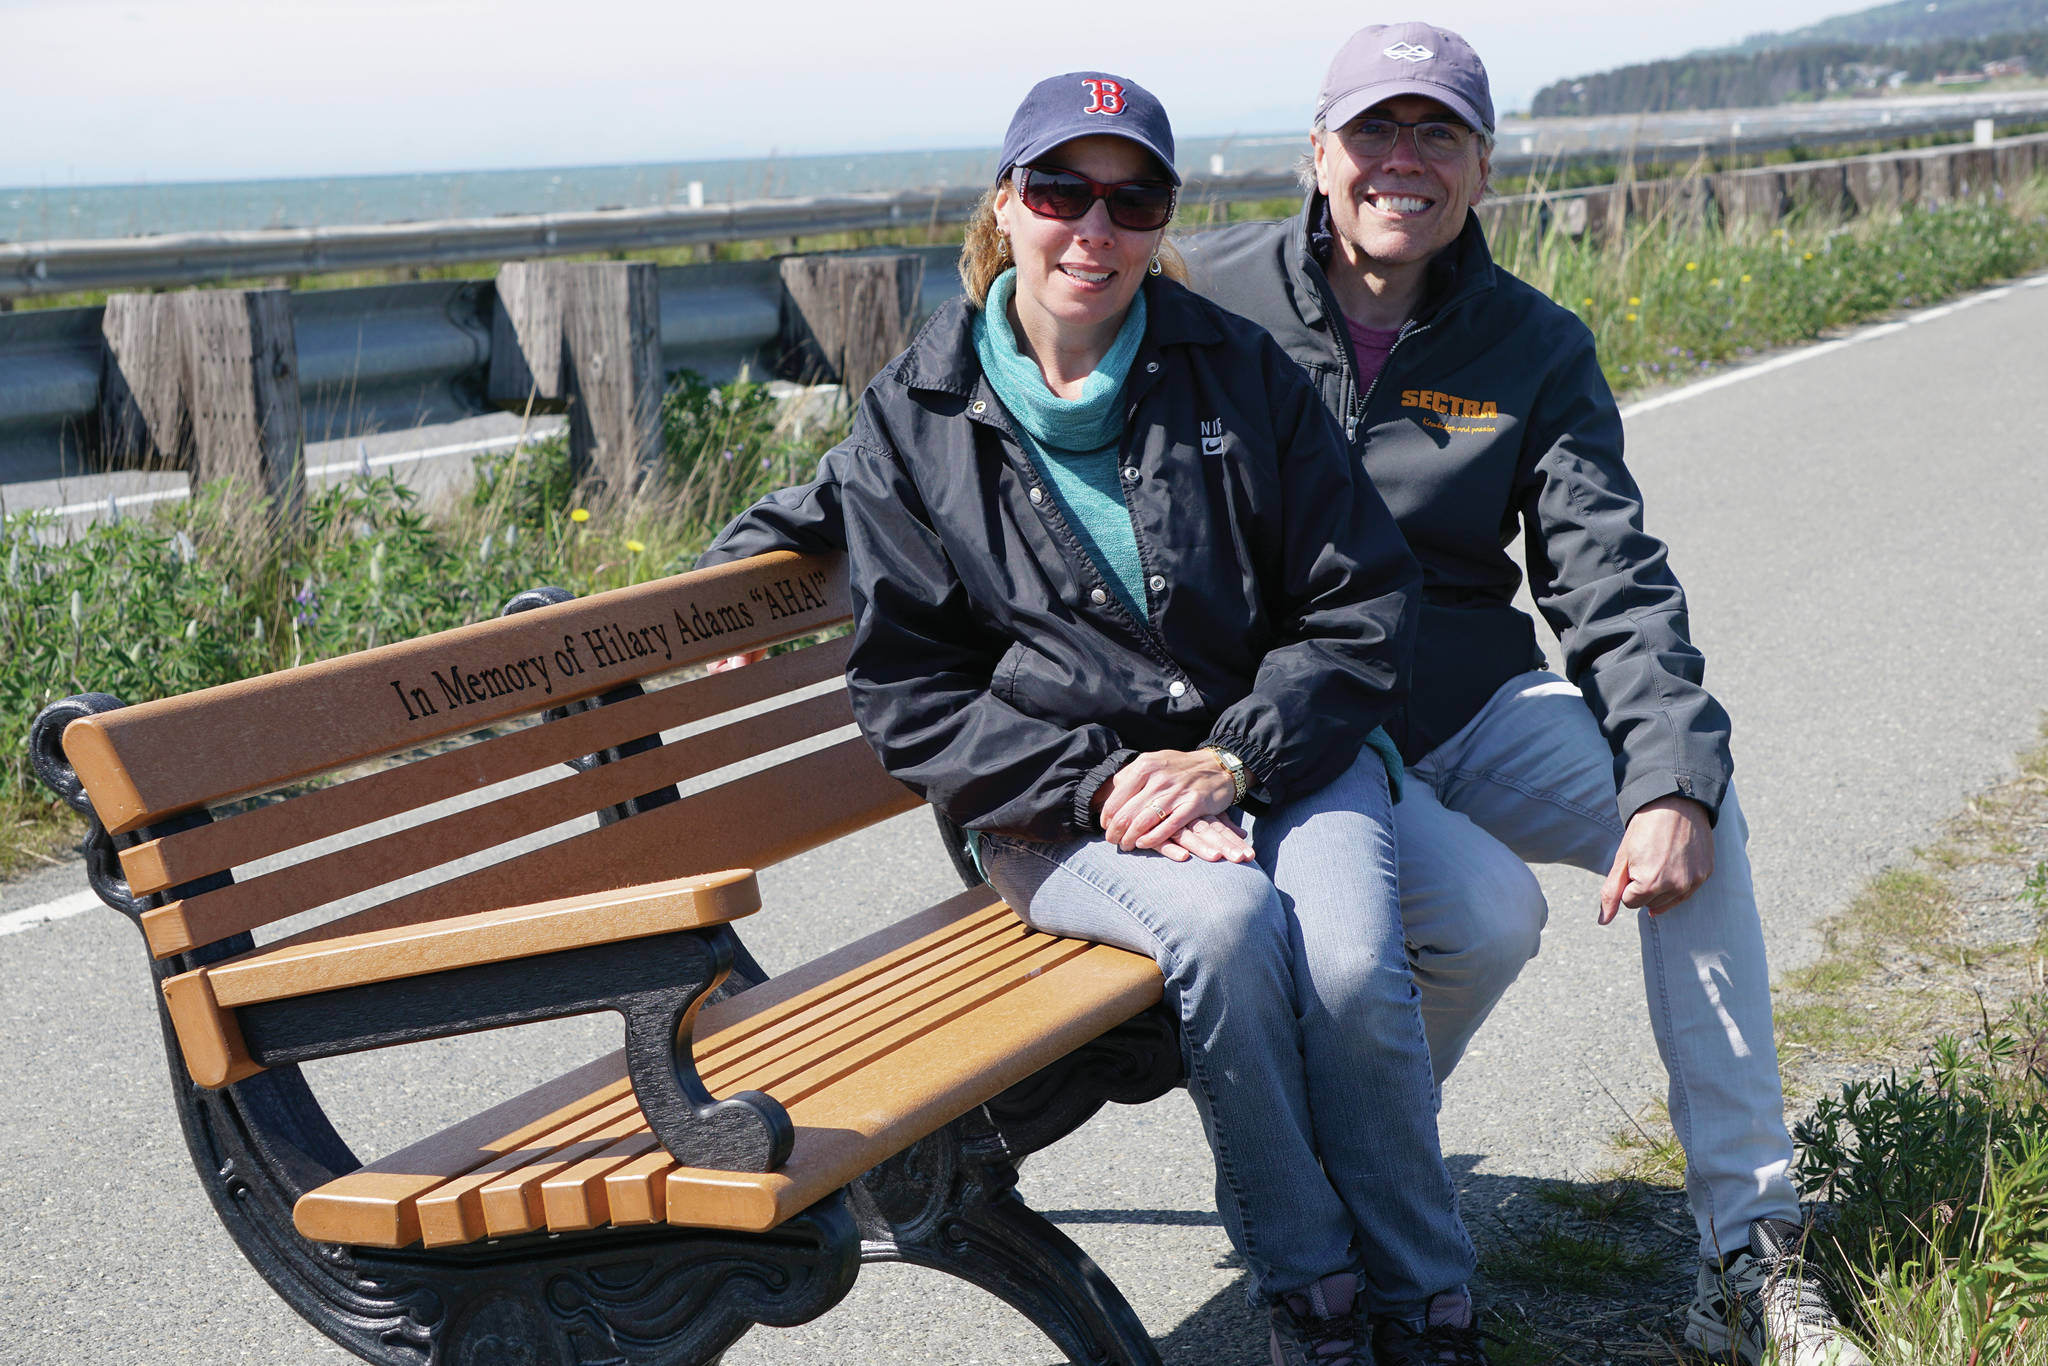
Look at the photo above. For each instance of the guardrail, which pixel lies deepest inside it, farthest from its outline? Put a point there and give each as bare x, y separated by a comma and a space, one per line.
60, 267
396, 356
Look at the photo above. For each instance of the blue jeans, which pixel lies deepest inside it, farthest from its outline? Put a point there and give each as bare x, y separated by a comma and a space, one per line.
1300, 1031
1531, 780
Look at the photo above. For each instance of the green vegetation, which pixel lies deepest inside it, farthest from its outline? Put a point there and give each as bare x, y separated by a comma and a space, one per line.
1938, 1184
1673, 298
212, 590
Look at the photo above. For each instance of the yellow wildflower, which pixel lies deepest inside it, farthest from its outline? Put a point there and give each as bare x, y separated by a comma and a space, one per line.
635, 547
1634, 302
1745, 279
1631, 317
580, 515
1692, 265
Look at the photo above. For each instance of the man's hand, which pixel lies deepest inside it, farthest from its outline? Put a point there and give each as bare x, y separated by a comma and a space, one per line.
1173, 801
1666, 852
731, 662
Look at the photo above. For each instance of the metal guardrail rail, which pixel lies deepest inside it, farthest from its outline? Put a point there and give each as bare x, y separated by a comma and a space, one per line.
60, 267
392, 357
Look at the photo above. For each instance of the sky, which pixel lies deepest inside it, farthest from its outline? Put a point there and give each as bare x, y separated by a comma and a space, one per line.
124, 91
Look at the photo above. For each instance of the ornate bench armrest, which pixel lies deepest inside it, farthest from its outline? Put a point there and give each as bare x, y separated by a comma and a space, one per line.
202, 1002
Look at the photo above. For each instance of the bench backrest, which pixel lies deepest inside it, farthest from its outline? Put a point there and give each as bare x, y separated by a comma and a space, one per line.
161, 764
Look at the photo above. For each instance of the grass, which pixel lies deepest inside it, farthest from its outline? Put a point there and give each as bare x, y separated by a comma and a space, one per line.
212, 590
1674, 299
1555, 1257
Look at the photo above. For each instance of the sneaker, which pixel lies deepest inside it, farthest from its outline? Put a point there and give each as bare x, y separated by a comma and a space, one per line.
1448, 1335
1320, 1325
1767, 1307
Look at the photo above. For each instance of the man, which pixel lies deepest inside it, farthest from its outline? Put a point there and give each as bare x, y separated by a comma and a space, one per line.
1479, 409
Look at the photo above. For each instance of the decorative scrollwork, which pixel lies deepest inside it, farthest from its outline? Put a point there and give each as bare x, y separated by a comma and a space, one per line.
46, 745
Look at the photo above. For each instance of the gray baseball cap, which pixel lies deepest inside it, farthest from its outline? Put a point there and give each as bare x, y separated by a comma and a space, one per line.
1386, 60
1081, 104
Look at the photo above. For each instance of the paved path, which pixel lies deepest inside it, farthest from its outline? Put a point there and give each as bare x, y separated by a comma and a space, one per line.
1861, 531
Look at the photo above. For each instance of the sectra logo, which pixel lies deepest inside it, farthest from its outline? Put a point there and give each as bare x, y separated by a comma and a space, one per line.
1408, 52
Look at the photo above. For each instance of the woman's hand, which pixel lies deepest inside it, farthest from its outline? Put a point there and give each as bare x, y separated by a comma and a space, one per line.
1172, 800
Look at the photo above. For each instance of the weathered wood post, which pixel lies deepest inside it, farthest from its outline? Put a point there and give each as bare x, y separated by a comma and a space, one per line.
144, 420
844, 317
242, 392
585, 337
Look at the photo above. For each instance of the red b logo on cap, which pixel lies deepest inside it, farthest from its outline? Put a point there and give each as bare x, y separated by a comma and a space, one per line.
1109, 96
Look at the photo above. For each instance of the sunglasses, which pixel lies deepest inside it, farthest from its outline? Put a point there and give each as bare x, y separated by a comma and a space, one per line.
1138, 205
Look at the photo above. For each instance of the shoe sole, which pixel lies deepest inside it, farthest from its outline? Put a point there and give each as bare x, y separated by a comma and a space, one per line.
1713, 1337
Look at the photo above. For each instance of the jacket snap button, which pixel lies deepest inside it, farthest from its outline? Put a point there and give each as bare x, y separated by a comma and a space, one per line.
1098, 596
1176, 688
1151, 367
1159, 583
1130, 474
1037, 495
980, 406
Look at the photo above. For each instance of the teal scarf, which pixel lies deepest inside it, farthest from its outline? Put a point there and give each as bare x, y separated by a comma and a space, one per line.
1073, 443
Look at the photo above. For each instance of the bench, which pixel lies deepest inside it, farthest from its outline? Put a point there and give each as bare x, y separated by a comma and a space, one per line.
553, 813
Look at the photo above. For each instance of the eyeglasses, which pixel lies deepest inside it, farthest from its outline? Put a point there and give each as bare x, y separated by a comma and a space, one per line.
1138, 205
1435, 139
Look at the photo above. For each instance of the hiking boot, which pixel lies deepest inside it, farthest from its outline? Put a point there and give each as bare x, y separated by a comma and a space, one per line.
1320, 1325
1768, 1307
1447, 1335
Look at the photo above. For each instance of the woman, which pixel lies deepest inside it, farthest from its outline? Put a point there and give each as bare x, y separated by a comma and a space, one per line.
1113, 576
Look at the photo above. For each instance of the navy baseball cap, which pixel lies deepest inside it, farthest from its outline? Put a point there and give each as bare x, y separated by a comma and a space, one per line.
1086, 104
1386, 60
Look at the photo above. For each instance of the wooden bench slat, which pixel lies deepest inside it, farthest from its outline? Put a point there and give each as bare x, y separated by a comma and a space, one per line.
759, 815
242, 906
245, 838
576, 1198
950, 1044
845, 1129
453, 1213
790, 1071
742, 1045
152, 760
303, 967
512, 1203
376, 1204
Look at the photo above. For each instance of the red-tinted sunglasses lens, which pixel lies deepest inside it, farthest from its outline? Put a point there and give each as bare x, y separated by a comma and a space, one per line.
1138, 205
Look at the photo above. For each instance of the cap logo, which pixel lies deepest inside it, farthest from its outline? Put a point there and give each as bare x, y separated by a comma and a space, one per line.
1109, 96
1408, 52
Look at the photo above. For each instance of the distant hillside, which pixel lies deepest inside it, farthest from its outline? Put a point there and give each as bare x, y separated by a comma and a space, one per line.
1909, 21
1775, 75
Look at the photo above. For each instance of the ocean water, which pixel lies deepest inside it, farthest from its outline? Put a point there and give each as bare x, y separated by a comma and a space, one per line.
37, 214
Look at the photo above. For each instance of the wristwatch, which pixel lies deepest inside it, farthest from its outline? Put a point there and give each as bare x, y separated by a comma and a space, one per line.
1240, 776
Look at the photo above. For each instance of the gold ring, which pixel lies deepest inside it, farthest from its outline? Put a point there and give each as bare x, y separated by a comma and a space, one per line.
1156, 809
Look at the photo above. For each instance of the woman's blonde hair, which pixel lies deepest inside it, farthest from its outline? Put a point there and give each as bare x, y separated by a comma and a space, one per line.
984, 254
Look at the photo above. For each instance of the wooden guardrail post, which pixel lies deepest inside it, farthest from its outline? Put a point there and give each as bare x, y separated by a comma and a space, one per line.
844, 317
143, 418
207, 379
585, 338
242, 391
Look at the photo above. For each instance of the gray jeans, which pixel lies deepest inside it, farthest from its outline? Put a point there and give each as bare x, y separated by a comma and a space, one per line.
1300, 1029
1531, 780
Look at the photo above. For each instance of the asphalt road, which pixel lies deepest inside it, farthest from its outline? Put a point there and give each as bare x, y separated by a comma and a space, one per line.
1861, 532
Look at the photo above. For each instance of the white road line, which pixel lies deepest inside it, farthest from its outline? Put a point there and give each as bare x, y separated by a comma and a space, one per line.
1807, 353
494, 443
63, 908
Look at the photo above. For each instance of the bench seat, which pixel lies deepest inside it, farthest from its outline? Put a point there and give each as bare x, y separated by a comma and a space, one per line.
869, 1048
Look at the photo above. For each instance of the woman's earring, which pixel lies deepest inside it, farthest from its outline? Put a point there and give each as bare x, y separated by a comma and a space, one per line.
1002, 246
1155, 263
